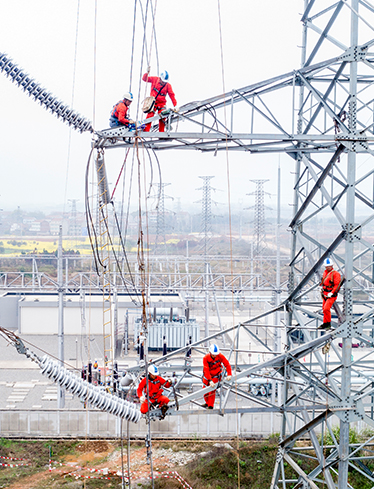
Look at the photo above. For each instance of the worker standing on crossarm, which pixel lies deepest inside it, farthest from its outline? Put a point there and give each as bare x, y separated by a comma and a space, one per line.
213, 363
119, 116
330, 285
160, 88
155, 383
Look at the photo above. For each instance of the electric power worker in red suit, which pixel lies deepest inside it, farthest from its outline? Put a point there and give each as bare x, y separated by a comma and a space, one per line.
160, 88
155, 391
212, 373
119, 116
330, 285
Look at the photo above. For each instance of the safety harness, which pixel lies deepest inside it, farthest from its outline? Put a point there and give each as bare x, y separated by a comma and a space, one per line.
153, 397
215, 369
328, 284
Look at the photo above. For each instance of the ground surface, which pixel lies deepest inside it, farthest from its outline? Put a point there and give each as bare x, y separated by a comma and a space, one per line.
88, 463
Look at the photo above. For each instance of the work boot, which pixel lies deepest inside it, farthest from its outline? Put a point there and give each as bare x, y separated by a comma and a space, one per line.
164, 408
210, 407
325, 326
205, 406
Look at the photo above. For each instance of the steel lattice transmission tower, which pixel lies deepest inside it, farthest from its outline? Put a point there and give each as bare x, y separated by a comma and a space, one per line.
73, 228
259, 234
325, 124
160, 216
206, 213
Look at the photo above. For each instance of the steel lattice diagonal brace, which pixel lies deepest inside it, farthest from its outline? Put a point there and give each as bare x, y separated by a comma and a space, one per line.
93, 395
41, 95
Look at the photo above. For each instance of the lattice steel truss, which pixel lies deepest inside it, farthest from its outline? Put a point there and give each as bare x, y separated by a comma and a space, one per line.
328, 132
259, 233
327, 129
160, 217
206, 213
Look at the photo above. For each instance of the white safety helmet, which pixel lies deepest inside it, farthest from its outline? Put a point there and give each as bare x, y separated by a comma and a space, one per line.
128, 96
328, 262
214, 350
164, 76
153, 370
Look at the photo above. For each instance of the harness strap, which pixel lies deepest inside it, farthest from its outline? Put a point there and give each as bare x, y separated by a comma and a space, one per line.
159, 91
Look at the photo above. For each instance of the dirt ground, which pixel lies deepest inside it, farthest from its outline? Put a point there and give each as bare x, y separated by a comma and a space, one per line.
101, 460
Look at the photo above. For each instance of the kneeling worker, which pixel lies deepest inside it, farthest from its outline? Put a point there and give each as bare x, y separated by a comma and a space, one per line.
119, 116
330, 285
212, 373
155, 390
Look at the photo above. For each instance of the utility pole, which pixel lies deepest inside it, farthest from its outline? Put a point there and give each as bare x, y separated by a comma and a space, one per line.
60, 280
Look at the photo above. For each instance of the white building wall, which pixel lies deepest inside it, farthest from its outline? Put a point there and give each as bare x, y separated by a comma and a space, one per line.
44, 320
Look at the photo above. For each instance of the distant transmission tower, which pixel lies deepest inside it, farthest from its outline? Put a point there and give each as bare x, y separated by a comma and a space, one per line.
207, 233
160, 217
259, 216
73, 231
206, 215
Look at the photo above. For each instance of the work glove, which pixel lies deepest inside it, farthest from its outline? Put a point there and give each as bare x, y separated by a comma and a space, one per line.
142, 398
131, 122
176, 109
228, 378
212, 384
329, 294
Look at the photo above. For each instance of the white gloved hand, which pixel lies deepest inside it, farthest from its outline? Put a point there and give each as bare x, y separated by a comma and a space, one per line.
131, 121
212, 384
228, 378
329, 294
176, 109
142, 398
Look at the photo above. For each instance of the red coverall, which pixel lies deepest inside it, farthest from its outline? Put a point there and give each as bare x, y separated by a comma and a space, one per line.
213, 371
120, 112
159, 90
155, 392
330, 283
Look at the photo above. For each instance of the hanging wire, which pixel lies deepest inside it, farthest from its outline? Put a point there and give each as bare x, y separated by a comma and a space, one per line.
132, 46
72, 106
94, 63
229, 203
91, 230
153, 36
144, 49
129, 197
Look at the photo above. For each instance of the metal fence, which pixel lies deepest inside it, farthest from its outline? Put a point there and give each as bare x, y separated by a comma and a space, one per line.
95, 424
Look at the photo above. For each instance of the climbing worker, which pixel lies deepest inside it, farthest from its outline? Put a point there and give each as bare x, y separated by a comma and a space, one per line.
330, 285
95, 365
159, 89
155, 390
212, 373
118, 116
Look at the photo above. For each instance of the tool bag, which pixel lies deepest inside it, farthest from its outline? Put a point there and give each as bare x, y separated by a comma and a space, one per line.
148, 104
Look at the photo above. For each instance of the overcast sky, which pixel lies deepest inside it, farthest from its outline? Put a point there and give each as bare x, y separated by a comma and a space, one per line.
260, 39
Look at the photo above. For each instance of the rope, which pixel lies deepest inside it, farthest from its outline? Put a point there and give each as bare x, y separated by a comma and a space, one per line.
119, 176
94, 63
132, 46
230, 227
72, 106
142, 56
